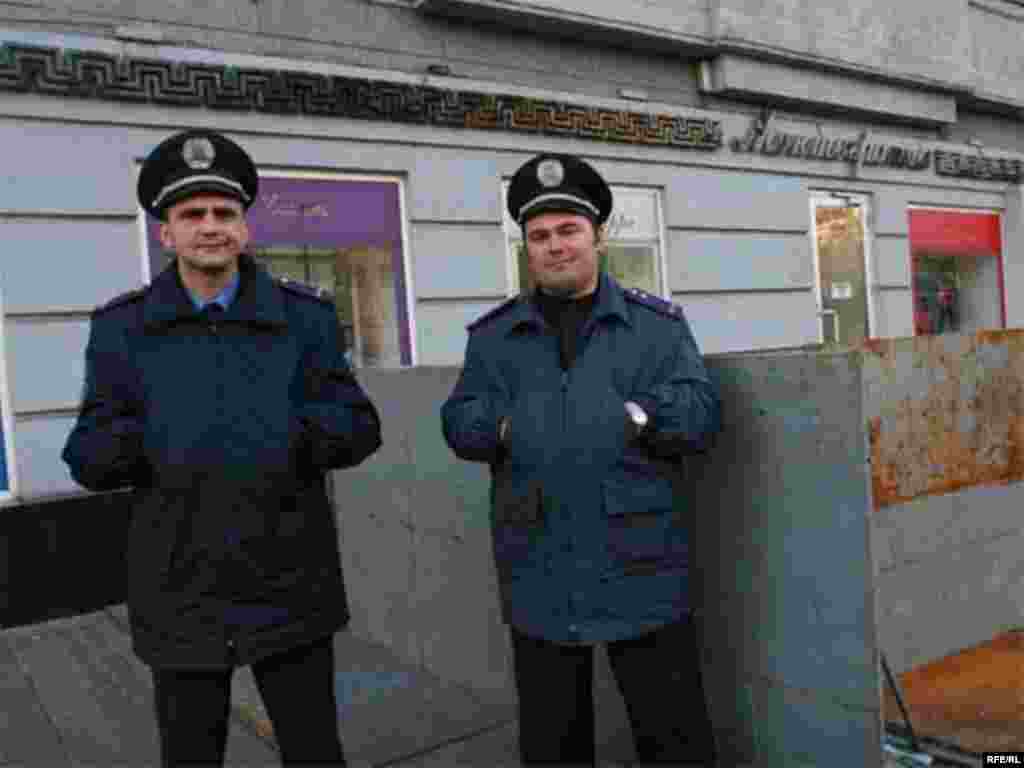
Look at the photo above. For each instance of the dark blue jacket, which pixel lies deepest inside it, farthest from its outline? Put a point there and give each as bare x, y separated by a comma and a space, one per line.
225, 428
588, 534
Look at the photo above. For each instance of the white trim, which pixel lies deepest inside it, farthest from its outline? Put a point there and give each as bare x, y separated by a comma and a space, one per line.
142, 222
952, 209
271, 171
410, 296
659, 207
512, 287
812, 232
7, 420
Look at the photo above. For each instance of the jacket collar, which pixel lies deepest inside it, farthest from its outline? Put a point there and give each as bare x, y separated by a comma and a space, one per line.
610, 303
258, 300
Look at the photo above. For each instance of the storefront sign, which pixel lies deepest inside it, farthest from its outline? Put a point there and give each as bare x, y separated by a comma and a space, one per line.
978, 167
762, 139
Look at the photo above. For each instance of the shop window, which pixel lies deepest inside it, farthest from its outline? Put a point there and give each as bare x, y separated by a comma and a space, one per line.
956, 259
634, 253
344, 236
841, 255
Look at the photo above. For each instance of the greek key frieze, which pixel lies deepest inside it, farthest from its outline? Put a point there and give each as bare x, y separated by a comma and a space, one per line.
96, 75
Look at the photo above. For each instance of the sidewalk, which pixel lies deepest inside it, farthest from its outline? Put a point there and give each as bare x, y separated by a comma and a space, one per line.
73, 694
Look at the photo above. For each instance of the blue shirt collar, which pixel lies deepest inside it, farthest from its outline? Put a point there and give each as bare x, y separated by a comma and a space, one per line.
224, 298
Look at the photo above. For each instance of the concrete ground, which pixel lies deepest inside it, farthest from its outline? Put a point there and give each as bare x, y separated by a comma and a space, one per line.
73, 694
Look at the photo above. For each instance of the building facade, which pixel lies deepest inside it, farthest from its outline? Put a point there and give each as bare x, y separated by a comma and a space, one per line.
790, 176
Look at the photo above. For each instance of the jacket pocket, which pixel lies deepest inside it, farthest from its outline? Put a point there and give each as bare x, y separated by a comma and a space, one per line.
532, 418
643, 533
518, 525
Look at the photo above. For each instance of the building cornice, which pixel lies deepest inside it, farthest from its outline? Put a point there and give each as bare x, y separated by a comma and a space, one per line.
108, 74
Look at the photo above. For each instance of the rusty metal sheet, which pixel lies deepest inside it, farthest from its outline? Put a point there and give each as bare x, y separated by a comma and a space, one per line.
944, 413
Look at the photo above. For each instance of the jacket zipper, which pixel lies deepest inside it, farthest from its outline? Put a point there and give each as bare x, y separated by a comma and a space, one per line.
565, 402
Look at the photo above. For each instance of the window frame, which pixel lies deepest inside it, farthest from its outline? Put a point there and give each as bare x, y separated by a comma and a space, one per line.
7, 417
821, 196
513, 235
998, 212
272, 172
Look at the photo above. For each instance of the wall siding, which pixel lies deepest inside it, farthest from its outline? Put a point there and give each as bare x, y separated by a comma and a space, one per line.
723, 261
733, 322
48, 363
68, 265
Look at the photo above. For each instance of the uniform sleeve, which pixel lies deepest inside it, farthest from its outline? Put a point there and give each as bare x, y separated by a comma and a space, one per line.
104, 449
683, 403
469, 417
337, 424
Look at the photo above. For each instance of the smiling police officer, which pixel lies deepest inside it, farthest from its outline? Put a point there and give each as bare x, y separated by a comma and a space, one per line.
223, 396
583, 397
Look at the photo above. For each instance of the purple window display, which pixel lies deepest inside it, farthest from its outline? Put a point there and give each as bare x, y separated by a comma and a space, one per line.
295, 220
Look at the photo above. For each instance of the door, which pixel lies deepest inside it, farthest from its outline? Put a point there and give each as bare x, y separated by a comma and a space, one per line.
842, 289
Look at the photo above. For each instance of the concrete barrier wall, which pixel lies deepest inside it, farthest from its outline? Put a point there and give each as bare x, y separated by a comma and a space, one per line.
781, 534
781, 529
944, 419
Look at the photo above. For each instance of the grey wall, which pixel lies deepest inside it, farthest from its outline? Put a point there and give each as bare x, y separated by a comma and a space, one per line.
788, 620
996, 28
385, 37
926, 40
782, 48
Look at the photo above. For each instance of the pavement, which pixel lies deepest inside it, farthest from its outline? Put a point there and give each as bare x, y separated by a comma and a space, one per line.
72, 693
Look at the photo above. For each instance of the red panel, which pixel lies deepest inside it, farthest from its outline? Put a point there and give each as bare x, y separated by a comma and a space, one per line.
955, 233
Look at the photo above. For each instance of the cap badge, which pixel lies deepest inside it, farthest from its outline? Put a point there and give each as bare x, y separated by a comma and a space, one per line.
550, 173
198, 153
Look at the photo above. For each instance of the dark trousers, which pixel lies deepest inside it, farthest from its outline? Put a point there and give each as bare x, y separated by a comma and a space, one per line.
297, 688
659, 676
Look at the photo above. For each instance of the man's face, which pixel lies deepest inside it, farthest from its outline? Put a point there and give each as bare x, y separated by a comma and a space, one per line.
206, 231
561, 251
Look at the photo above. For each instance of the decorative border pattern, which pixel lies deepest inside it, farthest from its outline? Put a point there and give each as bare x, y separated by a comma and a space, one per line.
95, 75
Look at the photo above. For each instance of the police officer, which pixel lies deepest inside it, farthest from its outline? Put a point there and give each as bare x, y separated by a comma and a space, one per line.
582, 398
223, 396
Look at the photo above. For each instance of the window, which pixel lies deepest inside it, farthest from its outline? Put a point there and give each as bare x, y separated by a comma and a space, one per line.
344, 235
845, 303
634, 255
957, 268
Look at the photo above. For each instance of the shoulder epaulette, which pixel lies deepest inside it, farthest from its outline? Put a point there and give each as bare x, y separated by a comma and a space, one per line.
490, 315
307, 291
123, 298
651, 301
